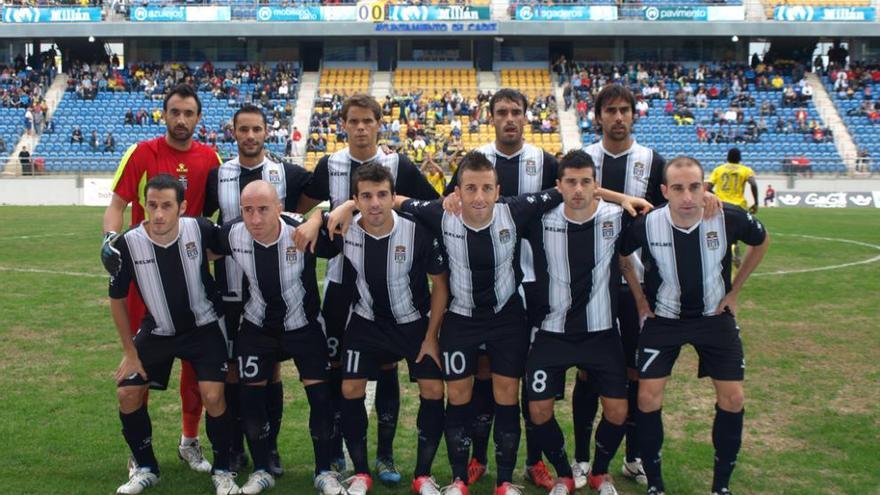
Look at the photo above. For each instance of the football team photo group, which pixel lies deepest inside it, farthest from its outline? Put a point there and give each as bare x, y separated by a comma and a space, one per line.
487, 297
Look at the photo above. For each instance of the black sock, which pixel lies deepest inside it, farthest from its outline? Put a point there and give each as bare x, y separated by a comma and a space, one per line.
533, 447
138, 433
632, 437
320, 425
255, 420
219, 430
727, 439
354, 429
430, 429
233, 406
650, 443
608, 438
458, 443
552, 442
387, 410
275, 409
483, 404
584, 404
336, 412
506, 435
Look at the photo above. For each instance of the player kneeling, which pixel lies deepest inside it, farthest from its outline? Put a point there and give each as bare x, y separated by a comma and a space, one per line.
167, 259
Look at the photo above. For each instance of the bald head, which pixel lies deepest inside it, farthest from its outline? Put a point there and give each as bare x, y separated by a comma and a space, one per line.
261, 209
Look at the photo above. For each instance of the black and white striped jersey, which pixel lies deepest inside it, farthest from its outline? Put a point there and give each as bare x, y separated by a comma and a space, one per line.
529, 170
173, 280
223, 193
331, 181
282, 287
483, 268
392, 270
688, 270
578, 275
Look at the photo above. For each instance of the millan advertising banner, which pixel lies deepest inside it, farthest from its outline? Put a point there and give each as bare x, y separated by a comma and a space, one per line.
26, 15
694, 13
180, 13
800, 13
566, 13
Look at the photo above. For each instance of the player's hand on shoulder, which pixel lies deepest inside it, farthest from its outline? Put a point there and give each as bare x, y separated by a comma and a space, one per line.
636, 206
305, 236
110, 257
452, 203
129, 368
711, 205
340, 219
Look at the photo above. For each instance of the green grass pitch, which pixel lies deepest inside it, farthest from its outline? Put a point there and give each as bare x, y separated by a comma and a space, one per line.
812, 346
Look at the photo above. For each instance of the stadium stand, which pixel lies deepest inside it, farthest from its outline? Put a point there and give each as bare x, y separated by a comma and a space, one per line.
854, 94
702, 111
130, 109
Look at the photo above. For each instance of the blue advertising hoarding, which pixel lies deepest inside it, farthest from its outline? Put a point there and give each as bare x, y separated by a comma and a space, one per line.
26, 15
179, 13
801, 13
307, 13
566, 13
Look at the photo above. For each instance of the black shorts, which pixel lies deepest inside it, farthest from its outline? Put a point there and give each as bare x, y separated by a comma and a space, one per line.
628, 321
506, 336
715, 338
258, 350
600, 354
205, 348
335, 312
370, 344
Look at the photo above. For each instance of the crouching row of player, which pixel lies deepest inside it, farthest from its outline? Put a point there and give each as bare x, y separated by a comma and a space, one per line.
472, 260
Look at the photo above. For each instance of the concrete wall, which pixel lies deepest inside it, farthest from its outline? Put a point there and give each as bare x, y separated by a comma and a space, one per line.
70, 191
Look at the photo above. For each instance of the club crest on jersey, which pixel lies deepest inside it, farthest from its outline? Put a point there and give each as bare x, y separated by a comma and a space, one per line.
290, 255
181, 175
712, 241
607, 229
274, 177
638, 170
192, 252
531, 167
399, 254
504, 235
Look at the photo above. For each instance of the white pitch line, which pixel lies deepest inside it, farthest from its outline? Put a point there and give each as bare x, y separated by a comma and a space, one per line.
825, 268
35, 236
51, 272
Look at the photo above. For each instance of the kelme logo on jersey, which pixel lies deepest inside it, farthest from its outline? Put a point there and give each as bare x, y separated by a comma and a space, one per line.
504, 235
712, 241
290, 255
399, 254
608, 229
192, 252
274, 177
531, 167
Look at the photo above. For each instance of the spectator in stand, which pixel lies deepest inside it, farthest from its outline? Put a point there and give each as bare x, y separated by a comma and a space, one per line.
24, 160
777, 82
109, 143
316, 143
129, 117
76, 137
94, 141
3, 148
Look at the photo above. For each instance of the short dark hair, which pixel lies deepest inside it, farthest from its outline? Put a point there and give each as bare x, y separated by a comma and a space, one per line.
576, 159
734, 155
361, 100
165, 181
248, 108
183, 91
680, 162
611, 92
371, 172
475, 162
509, 94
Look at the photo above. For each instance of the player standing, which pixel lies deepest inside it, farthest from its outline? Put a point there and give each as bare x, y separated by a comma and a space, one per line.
693, 302
166, 260
728, 181
223, 193
177, 154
